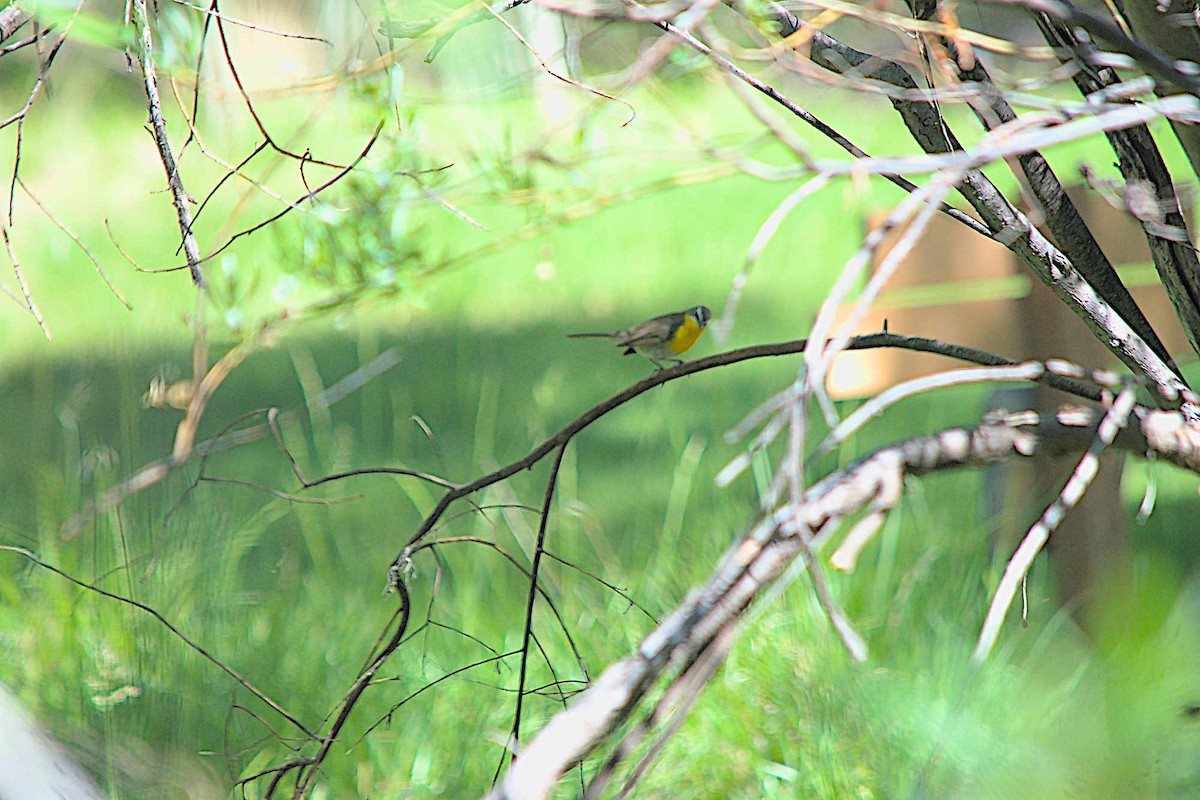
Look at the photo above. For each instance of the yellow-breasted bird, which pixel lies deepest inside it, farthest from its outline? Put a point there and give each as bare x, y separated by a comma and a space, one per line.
659, 339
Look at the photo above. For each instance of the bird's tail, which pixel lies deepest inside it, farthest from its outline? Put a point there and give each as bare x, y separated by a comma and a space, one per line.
608, 335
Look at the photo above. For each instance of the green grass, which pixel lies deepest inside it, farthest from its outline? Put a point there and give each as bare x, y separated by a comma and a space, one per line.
289, 594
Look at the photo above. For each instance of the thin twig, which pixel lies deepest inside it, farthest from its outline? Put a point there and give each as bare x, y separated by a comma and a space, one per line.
1028, 371
71, 234
292, 206
20, 116
766, 232
819, 356
231, 170
826, 130
291, 498
213, 12
879, 15
198, 70
437, 198
310, 770
386, 718
179, 195
30, 305
534, 577
793, 473
156, 471
20, 44
528, 574
611, 587
558, 76
237, 79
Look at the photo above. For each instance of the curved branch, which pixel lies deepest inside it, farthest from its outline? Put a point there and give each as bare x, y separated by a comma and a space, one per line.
871, 341
1113, 421
534, 575
310, 768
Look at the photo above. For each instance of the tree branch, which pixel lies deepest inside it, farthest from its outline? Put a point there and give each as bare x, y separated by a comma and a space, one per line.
179, 195
1153, 60
810, 119
767, 551
1139, 160
1068, 228
871, 341
11, 20
1007, 224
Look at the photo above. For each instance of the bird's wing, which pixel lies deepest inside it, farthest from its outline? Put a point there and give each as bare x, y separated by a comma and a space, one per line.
652, 331
642, 333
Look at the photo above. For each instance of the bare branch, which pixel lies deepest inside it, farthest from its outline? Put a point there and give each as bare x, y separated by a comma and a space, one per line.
879, 15
237, 79
894, 394
1007, 224
1149, 57
402, 563
20, 116
213, 12
11, 20
826, 130
179, 195
30, 305
309, 768
534, 577
674, 705
508, 25
763, 554
70, 234
1114, 420
36, 38
1070, 232
307, 196
1139, 160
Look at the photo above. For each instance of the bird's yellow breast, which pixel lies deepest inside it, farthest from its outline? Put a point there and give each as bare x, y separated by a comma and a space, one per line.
685, 335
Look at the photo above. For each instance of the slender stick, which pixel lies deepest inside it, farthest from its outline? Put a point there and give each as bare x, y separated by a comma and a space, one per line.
179, 195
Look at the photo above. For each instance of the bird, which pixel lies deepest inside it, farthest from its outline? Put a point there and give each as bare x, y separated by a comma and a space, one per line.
660, 339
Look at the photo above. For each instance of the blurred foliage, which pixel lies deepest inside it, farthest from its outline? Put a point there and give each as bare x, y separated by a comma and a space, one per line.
472, 237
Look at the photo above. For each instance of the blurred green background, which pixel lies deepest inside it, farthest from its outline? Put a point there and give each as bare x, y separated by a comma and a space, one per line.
588, 226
